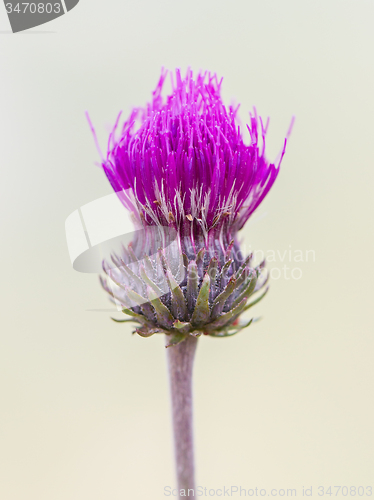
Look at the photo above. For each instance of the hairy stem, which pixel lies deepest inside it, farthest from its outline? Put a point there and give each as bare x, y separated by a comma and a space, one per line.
180, 362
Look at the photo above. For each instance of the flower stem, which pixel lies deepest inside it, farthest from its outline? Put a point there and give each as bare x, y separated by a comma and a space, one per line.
180, 362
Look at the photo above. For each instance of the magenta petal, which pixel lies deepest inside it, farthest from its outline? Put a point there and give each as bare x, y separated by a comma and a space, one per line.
187, 148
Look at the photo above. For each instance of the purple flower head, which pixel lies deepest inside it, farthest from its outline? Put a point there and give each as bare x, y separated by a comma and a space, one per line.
182, 161
182, 168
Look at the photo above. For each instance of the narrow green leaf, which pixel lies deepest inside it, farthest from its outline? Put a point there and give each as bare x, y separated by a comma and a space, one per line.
222, 278
148, 265
130, 312
256, 301
130, 273
226, 318
135, 297
179, 305
138, 317
243, 277
164, 317
123, 320
245, 264
239, 325
131, 253
226, 332
144, 304
219, 302
177, 295
226, 266
201, 312
110, 275
248, 290
150, 283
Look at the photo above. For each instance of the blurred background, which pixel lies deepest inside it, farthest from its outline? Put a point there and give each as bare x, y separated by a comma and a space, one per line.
287, 403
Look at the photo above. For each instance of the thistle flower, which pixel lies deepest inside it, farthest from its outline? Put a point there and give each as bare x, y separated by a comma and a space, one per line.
184, 171
181, 164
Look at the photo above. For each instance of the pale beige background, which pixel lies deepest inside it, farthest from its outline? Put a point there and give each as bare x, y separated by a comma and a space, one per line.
287, 403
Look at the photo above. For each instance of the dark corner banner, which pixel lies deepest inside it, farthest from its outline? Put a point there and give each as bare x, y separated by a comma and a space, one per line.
25, 15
